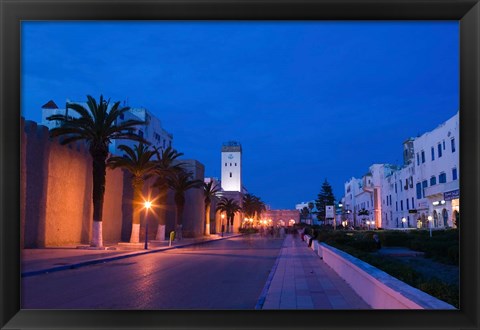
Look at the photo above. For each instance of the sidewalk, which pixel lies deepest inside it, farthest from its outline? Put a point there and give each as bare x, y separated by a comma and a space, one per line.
46, 260
301, 280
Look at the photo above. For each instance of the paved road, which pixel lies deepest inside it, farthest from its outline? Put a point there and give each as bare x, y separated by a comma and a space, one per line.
228, 274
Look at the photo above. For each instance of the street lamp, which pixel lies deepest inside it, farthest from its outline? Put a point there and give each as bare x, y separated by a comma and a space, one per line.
223, 226
368, 224
147, 205
403, 221
429, 218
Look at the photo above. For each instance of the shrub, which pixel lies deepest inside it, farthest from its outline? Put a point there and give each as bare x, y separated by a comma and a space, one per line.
394, 238
443, 291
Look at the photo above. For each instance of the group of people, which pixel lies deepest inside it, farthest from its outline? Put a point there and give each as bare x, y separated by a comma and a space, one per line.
272, 232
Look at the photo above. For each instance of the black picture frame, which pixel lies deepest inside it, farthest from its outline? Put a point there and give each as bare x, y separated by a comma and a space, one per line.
13, 12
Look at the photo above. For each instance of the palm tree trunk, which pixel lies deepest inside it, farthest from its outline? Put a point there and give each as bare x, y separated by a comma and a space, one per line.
207, 219
99, 174
137, 184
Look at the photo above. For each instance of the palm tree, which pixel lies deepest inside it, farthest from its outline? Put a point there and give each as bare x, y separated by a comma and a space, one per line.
253, 206
230, 207
180, 182
210, 192
164, 168
97, 126
139, 163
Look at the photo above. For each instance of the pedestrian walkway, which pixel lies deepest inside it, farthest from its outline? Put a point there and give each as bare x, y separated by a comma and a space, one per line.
43, 260
301, 280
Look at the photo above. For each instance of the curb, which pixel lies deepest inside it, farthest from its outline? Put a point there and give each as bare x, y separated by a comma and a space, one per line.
263, 295
118, 257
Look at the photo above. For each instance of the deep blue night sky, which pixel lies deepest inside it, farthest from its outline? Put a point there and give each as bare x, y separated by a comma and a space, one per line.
307, 100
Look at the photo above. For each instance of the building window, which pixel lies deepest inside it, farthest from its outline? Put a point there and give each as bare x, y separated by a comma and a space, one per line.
442, 178
230, 164
230, 174
401, 205
413, 203
400, 182
140, 133
439, 150
396, 206
443, 144
433, 181
424, 185
418, 159
433, 153
419, 190
454, 174
408, 204
423, 156
225, 164
235, 164
453, 144
395, 187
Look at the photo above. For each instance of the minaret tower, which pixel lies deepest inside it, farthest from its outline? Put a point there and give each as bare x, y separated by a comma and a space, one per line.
232, 166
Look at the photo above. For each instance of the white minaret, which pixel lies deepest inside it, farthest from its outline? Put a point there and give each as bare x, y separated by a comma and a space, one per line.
232, 166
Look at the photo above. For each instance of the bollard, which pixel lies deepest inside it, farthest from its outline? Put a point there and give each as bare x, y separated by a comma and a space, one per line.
172, 237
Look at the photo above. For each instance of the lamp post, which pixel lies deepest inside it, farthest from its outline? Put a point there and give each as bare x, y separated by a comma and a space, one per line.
148, 205
403, 221
368, 224
223, 227
429, 218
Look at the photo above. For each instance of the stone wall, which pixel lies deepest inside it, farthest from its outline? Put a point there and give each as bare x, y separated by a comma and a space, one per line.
56, 195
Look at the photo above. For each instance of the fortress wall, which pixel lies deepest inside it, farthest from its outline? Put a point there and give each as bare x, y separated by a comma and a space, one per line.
56, 195
113, 206
36, 144
194, 213
69, 207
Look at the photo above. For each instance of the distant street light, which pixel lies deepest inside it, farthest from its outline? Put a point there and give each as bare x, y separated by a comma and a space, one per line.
403, 221
430, 223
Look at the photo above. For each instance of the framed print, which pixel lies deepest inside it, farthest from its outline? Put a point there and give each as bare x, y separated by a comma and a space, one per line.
257, 72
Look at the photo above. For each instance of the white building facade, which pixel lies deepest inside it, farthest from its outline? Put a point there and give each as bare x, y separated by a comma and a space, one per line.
427, 184
152, 131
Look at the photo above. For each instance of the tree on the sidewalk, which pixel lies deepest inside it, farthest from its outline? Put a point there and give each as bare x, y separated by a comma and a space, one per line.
230, 207
139, 162
324, 198
210, 192
180, 183
97, 124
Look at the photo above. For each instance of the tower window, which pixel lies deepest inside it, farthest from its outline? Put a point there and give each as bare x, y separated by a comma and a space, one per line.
230, 174
225, 164
235, 164
230, 164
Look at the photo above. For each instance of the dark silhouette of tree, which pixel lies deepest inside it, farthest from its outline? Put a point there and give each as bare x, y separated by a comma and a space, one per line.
324, 198
210, 191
